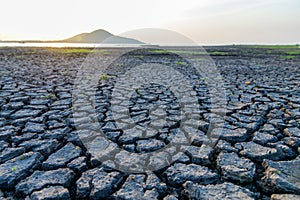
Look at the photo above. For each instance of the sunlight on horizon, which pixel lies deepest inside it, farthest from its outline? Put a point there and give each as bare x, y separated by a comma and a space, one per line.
204, 21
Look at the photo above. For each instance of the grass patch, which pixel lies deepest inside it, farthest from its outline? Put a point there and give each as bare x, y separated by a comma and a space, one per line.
288, 57
179, 52
181, 63
50, 96
105, 77
218, 53
78, 50
293, 52
286, 51
160, 51
139, 56
15, 168
276, 171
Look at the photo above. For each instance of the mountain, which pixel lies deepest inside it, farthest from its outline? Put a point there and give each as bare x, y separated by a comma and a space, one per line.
100, 36
93, 37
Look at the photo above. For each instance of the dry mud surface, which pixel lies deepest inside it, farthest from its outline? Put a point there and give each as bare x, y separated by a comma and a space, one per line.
253, 154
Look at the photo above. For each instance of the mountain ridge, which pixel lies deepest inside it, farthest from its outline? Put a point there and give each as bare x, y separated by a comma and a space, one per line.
100, 36
97, 36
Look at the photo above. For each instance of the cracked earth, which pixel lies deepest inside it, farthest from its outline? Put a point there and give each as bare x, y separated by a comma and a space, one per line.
252, 154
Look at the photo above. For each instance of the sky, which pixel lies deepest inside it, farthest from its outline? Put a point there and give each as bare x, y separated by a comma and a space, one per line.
203, 21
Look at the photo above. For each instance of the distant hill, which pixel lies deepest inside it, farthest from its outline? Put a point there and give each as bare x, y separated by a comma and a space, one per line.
100, 36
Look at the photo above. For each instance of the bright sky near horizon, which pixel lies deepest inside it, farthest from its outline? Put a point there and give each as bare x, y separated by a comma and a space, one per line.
204, 21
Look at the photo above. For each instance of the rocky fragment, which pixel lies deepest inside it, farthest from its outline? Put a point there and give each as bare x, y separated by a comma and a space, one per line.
44, 147
78, 165
62, 157
132, 188
51, 193
285, 197
25, 113
40, 179
97, 183
131, 161
256, 152
104, 184
230, 135
292, 132
235, 168
170, 197
217, 192
3, 145
199, 155
149, 145
282, 176
10, 153
18, 168
153, 182
180, 173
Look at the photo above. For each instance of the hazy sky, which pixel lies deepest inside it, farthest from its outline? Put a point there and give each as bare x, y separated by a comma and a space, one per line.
204, 21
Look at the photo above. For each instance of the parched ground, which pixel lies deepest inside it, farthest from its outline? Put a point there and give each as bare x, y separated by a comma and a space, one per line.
50, 146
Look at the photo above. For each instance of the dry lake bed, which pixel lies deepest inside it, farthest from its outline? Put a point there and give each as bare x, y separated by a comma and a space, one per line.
159, 123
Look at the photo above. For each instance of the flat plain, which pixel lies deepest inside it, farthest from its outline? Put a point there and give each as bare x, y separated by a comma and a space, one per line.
253, 154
